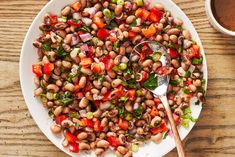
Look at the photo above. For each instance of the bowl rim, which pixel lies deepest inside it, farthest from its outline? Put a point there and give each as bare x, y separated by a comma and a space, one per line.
22, 83
214, 22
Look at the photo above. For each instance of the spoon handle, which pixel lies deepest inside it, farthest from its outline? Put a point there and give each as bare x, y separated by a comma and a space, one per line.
178, 141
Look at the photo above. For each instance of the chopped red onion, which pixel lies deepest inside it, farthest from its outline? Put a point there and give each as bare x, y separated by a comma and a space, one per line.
92, 11
82, 113
96, 60
77, 16
124, 59
107, 78
84, 48
170, 19
74, 40
85, 37
136, 106
87, 21
128, 5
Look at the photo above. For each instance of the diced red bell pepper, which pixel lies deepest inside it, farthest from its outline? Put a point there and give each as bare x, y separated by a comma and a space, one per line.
88, 87
142, 13
76, 23
144, 76
98, 21
74, 147
194, 51
162, 70
173, 53
176, 118
95, 67
154, 111
97, 126
102, 33
86, 62
149, 32
187, 83
108, 63
60, 119
113, 141
142, 56
86, 122
54, 19
37, 70
162, 128
147, 50
155, 15
123, 124
76, 6
131, 94
157, 100
70, 137
131, 34
48, 68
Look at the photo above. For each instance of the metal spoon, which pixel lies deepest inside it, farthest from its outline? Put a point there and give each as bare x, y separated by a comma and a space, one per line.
161, 90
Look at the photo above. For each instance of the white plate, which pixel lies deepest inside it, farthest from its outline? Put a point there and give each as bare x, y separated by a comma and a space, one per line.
40, 114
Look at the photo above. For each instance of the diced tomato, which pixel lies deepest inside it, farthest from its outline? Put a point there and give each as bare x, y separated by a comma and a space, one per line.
113, 141
102, 33
144, 76
119, 91
60, 119
154, 111
131, 34
76, 23
142, 56
70, 137
194, 51
95, 67
149, 32
162, 70
131, 94
86, 62
155, 15
157, 100
97, 126
107, 96
54, 19
162, 128
173, 53
108, 63
147, 50
74, 147
37, 70
98, 21
142, 13
86, 122
88, 87
79, 95
176, 119
76, 6
47, 68
123, 124
174, 72
187, 83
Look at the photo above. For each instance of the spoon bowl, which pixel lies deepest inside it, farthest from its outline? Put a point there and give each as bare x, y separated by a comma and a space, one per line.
161, 89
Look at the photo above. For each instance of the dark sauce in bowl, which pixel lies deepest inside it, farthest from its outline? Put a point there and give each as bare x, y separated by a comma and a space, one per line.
224, 13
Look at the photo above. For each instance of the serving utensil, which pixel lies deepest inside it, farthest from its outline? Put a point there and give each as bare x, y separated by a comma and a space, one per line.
161, 89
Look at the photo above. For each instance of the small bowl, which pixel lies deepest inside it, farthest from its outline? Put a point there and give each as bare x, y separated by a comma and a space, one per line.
214, 22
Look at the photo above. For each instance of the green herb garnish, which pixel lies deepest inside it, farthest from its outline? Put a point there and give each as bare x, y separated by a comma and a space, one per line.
151, 83
61, 52
85, 29
73, 115
133, 24
46, 47
187, 117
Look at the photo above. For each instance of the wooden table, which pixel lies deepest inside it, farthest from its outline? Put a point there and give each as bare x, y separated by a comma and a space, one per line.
213, 135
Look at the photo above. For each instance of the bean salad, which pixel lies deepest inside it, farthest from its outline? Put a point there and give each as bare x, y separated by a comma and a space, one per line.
97, 90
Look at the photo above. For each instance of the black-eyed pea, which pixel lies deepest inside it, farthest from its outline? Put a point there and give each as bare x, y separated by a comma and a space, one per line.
66, 11
178, 21
117, 59
69, 87
118, 154
165, 37
122, 139
50, 104
136, 29
192, 87
89, 96
97, 84
107, 85
102, 144
86, 71
118, 10
58, 111
92, 145
136, 39
197, 83
104, 122
56, 129
175, 63
112, 54
68, 38
125, 34
200, 96
163, 21
128, 106
140, 131
157, 138
83, 103
128, 154
122, 50
65, 143
147, 63
38, 91
59, 83
116, 83
82, 136
129, 49
45, 60
97, 113
176, 88
82, 82
104, 90
149, 102
99, 151
84, 146
148, 95
159, 26
156, 65
173, 31
159, 38
130, 19
186, 34
173, 38
159, 6
95, 91
156, 120
53, 88
66, 64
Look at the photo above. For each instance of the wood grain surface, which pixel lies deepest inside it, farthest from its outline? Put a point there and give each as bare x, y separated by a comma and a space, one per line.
213, 135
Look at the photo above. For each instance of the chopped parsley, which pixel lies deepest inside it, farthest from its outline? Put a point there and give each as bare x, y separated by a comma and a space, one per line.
134, 23
151, 83
46, 47
61, 52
